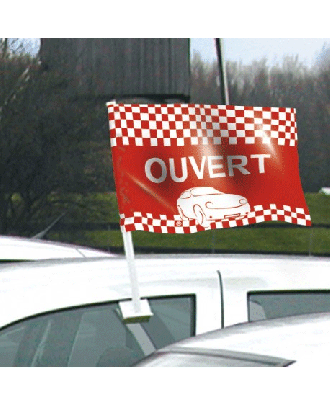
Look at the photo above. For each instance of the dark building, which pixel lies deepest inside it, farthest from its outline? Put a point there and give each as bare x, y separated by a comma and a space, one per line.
107, 68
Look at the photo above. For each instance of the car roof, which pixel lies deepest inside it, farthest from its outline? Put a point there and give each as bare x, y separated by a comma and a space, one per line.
302, 338
33, 287
30, 249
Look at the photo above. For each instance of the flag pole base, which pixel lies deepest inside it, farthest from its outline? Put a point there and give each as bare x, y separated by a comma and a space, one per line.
131, 315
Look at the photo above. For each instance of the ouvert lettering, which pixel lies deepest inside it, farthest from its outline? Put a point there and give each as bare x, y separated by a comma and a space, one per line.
218, 166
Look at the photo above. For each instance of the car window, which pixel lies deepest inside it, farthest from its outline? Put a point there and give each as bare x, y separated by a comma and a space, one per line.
95, 335
272, 304
186, 194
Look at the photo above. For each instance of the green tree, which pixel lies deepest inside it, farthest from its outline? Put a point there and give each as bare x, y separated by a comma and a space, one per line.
204, 81
49, 144
289, 84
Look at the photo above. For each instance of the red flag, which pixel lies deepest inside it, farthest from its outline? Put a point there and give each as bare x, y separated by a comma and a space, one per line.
183, 168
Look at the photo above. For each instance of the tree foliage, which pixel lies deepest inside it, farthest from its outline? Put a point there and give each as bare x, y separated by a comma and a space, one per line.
52, 146
49, 144
290, 84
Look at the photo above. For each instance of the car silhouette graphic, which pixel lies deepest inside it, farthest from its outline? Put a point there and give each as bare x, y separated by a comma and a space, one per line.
206, 204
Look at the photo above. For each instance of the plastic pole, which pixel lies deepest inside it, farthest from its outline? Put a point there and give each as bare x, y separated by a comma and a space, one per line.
129, 252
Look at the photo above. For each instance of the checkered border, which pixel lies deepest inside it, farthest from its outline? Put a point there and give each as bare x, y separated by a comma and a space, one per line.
163, 224
177, 124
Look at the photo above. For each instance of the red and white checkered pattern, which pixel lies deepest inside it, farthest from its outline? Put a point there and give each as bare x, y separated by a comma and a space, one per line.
177, 124
163, 224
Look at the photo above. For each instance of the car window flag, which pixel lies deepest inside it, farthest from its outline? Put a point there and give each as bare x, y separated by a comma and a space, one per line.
184, 168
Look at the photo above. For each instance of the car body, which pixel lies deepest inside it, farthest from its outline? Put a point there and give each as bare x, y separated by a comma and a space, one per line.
206, 204
31, 249
66, 312
295, 341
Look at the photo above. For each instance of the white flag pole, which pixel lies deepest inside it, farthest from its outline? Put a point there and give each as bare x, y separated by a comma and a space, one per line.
129, 252
137, 309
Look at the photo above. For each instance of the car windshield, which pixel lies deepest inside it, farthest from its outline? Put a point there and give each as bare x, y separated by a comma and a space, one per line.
205, 191
95, 335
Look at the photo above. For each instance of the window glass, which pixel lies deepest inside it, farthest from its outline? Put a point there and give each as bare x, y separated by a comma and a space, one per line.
185, 194
206, 191
173, 320
95, 335
272, 304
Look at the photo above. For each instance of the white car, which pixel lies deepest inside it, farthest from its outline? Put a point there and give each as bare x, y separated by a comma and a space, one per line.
296, 341
30, 249
206, 204
68, 313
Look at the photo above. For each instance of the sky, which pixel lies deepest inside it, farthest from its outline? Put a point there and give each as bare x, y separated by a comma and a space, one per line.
251, 29
249, 49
